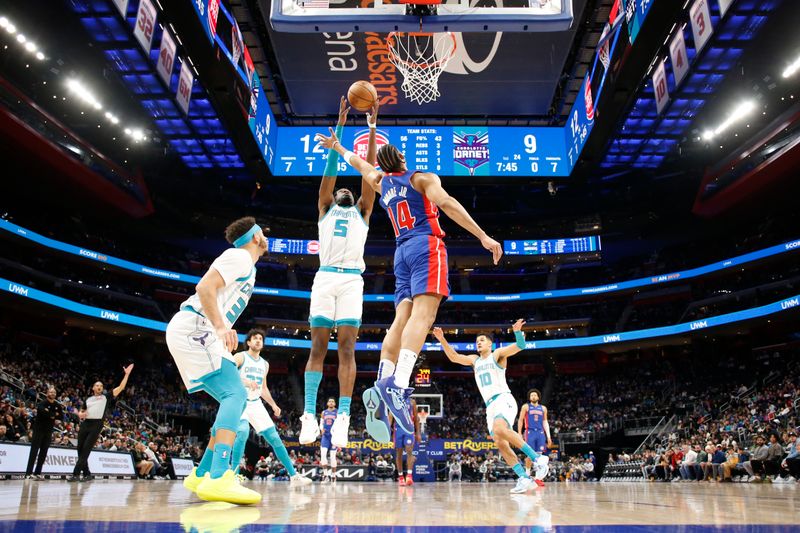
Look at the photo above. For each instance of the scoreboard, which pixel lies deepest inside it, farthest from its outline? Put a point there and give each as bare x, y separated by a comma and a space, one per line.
292, 246
552, 246
446, 150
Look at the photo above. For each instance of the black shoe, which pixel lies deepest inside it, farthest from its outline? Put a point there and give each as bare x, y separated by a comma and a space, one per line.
73, 479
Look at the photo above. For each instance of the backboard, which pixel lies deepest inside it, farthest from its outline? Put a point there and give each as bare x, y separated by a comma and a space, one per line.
316, 16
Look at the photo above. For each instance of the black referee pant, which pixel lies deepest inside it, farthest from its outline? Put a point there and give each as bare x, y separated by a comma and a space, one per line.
40, 443
87, 437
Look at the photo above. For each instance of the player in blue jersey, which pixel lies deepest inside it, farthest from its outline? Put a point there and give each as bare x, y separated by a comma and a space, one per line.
533, 417
405, 442
412, 200
326, 422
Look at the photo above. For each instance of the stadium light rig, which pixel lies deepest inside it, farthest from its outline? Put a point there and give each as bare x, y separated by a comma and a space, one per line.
26, 43
737, 114
792, 69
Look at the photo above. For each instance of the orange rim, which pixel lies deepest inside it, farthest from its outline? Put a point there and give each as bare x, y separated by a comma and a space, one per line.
393, 35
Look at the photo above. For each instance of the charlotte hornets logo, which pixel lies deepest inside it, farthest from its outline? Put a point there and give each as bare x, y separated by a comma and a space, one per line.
471, 152
200, 338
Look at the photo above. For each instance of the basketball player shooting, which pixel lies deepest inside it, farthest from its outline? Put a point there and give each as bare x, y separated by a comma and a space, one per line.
412, 200
337, 295
501, 408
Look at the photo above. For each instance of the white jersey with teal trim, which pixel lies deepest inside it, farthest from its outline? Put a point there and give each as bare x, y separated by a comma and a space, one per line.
342, 235
254, 370
235, 265
490, 377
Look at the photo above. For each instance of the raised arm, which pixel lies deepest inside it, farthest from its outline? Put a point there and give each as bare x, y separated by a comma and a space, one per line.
367, 171
121, 387
454, 356
267, 395
431, 186
331, 167
367, 200
207, 290
512, 349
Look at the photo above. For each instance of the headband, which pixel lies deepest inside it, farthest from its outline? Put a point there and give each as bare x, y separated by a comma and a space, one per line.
244, 239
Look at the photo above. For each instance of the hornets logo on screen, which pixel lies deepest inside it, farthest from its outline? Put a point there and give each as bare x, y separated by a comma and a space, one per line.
471, 152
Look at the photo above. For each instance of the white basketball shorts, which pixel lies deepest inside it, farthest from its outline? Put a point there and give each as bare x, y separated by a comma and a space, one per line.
337, 299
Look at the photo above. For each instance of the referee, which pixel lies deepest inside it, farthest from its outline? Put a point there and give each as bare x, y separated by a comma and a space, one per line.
97, 406
48, 413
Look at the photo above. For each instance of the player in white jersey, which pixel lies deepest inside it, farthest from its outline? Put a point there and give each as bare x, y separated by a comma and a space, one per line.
337, 296
200, 338
253, 370
501, 408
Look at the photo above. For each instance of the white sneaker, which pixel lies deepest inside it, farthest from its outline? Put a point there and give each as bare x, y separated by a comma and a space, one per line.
339, 431
298, 480
325, 480
309, 431
524, 484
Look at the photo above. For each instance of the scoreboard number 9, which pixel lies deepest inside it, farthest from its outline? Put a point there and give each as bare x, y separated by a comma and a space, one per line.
530, 144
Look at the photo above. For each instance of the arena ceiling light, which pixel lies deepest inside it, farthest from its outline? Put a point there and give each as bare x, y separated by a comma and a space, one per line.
792, 69
79, 90
738, 113
29, 45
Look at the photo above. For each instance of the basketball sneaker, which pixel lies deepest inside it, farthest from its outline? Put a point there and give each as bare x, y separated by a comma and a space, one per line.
339, 431
401, 479
409, 480
309, 430
376, 426
192, 481
299, 480
226, 489
524, 484
396, 400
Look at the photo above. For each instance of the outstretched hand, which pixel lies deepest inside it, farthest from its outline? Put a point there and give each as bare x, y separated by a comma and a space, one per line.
372, 116
343, 110
127, 369
494, 247
327, 142
518, 325
438, 333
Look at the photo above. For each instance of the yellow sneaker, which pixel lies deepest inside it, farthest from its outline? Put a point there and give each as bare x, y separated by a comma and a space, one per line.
226, 489
192, 481
218, 517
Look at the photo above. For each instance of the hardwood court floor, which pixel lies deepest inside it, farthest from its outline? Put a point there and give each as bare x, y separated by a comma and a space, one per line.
142, 506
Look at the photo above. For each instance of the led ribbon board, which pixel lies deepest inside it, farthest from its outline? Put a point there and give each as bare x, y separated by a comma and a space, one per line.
596, 340
525, 296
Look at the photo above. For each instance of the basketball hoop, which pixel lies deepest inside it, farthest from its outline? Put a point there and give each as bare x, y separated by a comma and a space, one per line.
421, 58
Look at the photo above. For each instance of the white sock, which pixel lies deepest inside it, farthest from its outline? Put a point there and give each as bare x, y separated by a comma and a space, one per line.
405, 366
385, 368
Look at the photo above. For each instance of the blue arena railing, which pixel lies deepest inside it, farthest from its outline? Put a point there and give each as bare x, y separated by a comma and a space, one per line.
596, 340
733, 262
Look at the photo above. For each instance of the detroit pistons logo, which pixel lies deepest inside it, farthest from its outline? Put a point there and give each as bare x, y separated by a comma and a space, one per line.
213, 13
471, 151
361, 144
313, 247
587, 89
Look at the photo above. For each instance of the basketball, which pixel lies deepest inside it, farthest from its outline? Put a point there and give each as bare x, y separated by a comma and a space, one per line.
362, 95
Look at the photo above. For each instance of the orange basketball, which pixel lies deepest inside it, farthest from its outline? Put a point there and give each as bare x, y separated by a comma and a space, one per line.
362, 95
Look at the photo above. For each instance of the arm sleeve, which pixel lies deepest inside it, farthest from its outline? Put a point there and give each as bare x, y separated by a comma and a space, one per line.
233, 264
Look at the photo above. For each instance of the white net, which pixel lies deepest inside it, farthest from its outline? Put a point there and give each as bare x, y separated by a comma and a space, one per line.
421, 58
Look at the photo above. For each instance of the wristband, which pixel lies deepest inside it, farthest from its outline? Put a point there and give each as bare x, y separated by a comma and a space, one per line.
332, 166
520, 337
347, 155
372, 126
